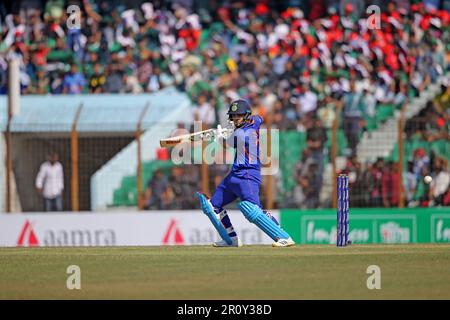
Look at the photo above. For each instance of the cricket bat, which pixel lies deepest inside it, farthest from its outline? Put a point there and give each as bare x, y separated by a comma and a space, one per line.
196, 136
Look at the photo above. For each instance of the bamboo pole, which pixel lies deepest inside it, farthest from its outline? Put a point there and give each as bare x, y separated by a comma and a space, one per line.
8, 164
401, 124
204, 168
13, 108
334, 154
74, 156
140, 193
269, 186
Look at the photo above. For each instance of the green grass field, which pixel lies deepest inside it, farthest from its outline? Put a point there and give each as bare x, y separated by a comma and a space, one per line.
252, 272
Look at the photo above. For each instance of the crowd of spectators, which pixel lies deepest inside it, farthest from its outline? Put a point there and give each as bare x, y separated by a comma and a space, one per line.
308, 171
300, 61
298, 57
377, 184
432, 122
382, 179
173, 191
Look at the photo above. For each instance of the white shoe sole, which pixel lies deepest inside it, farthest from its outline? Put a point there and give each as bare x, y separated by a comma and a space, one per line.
226, 246
279, 245
217, 245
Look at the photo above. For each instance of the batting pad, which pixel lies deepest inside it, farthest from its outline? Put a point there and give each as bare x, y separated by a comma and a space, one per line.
208, 209
254, 214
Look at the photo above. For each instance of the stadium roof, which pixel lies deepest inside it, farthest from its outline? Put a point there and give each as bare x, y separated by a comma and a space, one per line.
99, 113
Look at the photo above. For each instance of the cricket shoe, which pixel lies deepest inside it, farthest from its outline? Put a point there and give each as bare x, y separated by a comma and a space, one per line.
236, 242
284, 243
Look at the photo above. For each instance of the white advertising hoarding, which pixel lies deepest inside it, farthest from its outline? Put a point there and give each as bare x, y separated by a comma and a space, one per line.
151, 228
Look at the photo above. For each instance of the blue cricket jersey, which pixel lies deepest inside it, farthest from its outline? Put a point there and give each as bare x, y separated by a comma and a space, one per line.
245, 141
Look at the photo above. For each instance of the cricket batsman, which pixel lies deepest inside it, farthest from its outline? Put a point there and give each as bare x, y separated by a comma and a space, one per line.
243, 182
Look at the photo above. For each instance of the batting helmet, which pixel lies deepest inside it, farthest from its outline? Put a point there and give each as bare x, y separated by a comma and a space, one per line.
240, 107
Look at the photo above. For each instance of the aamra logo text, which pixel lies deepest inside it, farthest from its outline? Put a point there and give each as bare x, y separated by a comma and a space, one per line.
27, 237
64, 237
173, 234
